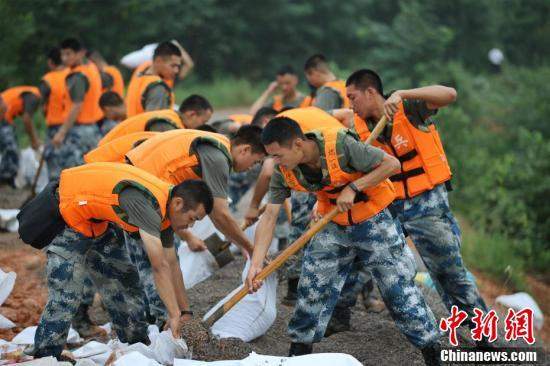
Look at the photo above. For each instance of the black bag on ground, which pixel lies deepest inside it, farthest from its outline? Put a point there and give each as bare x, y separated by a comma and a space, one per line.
40, 220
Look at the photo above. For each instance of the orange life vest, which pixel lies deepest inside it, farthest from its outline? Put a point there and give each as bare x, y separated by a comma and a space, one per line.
339, 86
423, 161
118, 81
369, 203
143, 68
311, 118
170, 155
241, 119
115, 150
307, 102
14, 102
142, 122
136, 93
90, 112
55, 110
88, 196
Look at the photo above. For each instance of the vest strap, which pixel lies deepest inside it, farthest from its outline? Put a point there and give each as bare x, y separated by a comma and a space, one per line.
405, 175
359, 197
408, 156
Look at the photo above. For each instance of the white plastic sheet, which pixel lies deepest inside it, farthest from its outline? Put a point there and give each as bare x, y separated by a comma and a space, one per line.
317, 359
520, 301
252, 316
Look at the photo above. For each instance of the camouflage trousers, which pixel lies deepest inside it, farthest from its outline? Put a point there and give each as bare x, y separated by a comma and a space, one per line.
429, 222
154, 306
71, 257
106, 125
302, 204
240, 183
79, 140
380, 247
9, 152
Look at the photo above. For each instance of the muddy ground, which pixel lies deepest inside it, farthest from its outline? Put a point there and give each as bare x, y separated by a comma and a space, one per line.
374, 339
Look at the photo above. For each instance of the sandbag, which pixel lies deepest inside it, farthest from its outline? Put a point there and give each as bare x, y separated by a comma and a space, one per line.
28, 165
8, 220
520, 301
7, 281
252, 316
317, 359
136, 58
26, 336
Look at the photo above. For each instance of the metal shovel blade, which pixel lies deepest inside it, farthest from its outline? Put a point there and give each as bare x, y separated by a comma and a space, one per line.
219, 249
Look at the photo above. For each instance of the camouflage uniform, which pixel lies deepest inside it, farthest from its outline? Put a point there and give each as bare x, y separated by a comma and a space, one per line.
79, 140
9, 151
240, 183
302, 204
51, 154
380, 247
71, 257
106, 126
428, 220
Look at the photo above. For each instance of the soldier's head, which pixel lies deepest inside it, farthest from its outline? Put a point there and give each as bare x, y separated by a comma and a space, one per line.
246, 148
96, 58
264, 115
72, 52
284, 141
167, 60
54, 58
196, 111
365, 91
287, 79
317, 70
190, 201
113, 106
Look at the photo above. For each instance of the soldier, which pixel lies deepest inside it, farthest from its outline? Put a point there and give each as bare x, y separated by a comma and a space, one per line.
19, 101
422, 204
341, 170
93, 203
111, 78
331, 92
114, 111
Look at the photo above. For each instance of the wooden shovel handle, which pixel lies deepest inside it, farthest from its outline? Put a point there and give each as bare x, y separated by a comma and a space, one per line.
377, 129
274, 264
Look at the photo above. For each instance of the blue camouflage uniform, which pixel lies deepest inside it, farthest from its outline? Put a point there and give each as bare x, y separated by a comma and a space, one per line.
71, 258
9, 151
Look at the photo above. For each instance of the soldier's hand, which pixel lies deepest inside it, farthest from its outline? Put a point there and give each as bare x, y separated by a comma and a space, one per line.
392, 105
251, 216
174, 324
195, 244
345, 199
272, 86
58, 138
253, 284
315, 215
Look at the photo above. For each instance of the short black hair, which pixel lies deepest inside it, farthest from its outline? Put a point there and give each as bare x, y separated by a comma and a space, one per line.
365, 78
286, 69
261, 113
196, 103
250, 135
281, 130
166, 49
71, 43
54, 55
194, 192
207, 128
110, 99
317, 61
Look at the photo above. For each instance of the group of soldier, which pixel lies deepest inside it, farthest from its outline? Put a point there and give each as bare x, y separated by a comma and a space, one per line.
129, 176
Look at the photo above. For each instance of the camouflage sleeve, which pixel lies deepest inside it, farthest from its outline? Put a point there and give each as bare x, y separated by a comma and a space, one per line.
359, 156
106, 80
30, 103
417, 112
327, 99
157, 97
77, 84
278, 190
140, 211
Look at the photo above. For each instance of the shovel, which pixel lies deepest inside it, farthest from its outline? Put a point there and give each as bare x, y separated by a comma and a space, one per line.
273, 265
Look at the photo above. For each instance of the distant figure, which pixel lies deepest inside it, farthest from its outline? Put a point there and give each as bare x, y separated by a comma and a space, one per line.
114, 111
286, 81
331, 92
111, 78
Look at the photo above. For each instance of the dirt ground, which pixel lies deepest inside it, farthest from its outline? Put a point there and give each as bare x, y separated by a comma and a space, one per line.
374, 339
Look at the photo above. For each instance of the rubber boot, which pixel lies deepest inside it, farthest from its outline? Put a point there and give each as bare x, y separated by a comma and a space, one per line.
339, 322
292, 292
432, 355
299, 349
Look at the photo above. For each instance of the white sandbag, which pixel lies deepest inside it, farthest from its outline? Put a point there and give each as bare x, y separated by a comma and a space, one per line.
520, 301
44, 361
317, 359
250, 232
7, 281
180, 362
165, 348
28, 165
85, 362
136, 58
5, 323
135, 359
8, 220
252, 316
26, 336
195, 266
91, 348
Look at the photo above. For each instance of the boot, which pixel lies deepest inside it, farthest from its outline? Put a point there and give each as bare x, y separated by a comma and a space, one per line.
83, 324
292, 292
299, 349
431, 354
339, 322
372, 304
